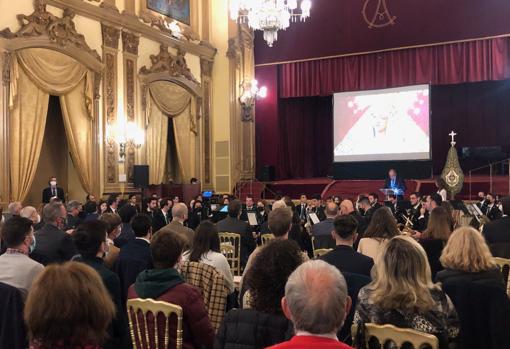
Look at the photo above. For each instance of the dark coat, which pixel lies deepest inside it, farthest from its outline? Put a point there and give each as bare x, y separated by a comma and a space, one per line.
433, 248
55, 245
118, 330
158, 220
134, 257
12, 327
482, 305
346, 259
234, 225
47, 195
497, 231
251, 329
197, 329
126, 234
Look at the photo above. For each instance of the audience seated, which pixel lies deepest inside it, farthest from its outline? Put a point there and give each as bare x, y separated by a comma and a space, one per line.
17, 269
126, 214
164, 283
13, 209
381, 228
343, 255
232, 224
54, 244
475, 285
90, 240
135, 256
264, 227
435, 237
68, 307
180, 215
322, 231
316, 302
113, 230
347, 208
264, 323
206, 249
497, 233
402, 293
74, 209
90, 210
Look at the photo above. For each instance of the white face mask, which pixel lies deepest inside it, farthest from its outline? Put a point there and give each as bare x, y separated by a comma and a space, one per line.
53, 183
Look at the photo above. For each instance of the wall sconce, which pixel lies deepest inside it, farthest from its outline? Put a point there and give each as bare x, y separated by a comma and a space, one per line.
125, 135
249, 93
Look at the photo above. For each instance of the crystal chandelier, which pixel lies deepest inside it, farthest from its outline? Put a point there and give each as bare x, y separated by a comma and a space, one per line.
269, 15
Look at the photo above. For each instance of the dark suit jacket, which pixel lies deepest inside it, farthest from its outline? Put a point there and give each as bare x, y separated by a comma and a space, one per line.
321, 233
399, 183
118, 329
234, 225
244, 213
158, 220
134, 257
47, 195
497, 231
301, 212
12, 327
347, 260
494, 213
54, 244
126, 234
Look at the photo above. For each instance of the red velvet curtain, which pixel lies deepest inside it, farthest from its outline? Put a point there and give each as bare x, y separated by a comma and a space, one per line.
444, 64
305, 140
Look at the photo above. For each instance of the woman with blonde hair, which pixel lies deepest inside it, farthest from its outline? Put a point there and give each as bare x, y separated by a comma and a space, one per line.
467, 257
435, 237
402, 293
68, 307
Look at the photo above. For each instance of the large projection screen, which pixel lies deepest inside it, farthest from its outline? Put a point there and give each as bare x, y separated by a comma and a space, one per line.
382, 125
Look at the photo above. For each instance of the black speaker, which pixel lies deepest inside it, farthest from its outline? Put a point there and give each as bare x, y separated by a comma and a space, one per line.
141, 176
267, 174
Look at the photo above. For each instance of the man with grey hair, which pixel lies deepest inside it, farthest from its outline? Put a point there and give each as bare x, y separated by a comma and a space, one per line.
322, 231
317, 303
31, 213
74, 208
13, 209
54, 244
180, 215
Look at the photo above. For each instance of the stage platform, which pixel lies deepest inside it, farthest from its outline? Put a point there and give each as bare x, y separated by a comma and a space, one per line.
327, 187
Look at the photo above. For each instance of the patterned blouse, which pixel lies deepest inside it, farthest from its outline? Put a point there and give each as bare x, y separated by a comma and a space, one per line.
441, 321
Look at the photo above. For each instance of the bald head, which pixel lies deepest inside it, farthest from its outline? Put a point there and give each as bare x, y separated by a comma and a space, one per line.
316, 299
346, 207
279, 204
331, 210
180, 211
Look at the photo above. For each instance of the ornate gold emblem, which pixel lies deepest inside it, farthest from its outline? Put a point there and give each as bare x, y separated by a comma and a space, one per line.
381, 17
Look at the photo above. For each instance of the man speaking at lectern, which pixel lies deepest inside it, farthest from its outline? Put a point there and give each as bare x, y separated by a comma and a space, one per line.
395, 183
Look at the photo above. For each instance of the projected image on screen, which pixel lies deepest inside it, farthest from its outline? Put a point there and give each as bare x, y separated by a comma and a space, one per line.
390, 124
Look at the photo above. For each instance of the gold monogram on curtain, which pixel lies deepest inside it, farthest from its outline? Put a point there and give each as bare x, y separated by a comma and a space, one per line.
170, 100
40, 72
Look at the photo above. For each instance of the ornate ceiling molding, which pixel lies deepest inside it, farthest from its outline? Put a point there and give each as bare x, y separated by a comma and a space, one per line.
173, 65
130, 42
60, 31
135, 25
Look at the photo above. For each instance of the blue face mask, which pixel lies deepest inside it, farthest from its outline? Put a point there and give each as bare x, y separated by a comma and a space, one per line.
32, 245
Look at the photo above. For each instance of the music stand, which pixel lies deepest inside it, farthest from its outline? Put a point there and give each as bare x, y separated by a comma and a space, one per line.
387, 192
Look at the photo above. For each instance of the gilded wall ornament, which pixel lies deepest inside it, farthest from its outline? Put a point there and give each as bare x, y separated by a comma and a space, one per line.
377, 14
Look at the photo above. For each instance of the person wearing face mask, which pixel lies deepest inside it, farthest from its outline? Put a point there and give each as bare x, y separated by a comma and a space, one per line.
31, 213
52, 191
196, 215
54, 244
16, 267
91, 241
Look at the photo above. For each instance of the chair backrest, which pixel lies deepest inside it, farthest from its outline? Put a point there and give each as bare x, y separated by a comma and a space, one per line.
399, 336
212, 287
321, 252
500, 249
504, 265
233, 255
144, 336
266, 238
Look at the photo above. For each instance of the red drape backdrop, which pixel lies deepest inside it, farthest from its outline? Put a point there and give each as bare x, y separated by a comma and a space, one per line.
287, 124
444, 64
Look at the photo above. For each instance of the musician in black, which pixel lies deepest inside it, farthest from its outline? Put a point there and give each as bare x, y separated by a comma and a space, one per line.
491, 210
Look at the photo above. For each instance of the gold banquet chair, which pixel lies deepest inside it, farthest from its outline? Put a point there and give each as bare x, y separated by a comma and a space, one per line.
230, 247
140, 324
504, 266
399, 336
266, 238
321, 252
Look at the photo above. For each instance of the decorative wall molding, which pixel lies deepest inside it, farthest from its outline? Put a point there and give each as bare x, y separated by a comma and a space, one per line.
133, 24
130, 42
206, 67
111, 37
